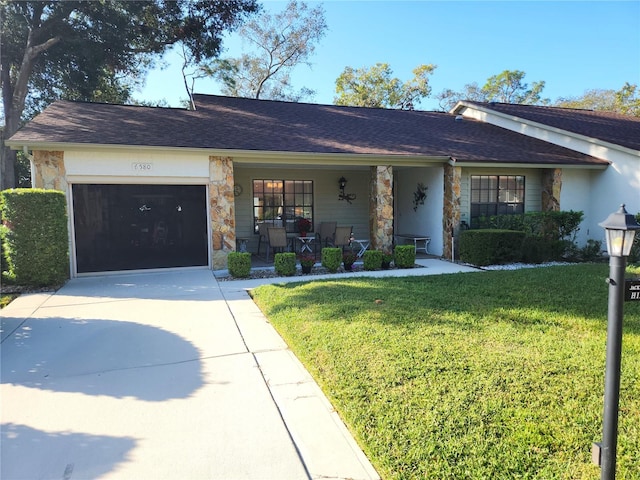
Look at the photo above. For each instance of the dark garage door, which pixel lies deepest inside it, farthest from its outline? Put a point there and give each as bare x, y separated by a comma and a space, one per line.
134, 227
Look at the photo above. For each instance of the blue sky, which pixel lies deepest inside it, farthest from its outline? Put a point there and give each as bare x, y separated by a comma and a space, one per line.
573, 45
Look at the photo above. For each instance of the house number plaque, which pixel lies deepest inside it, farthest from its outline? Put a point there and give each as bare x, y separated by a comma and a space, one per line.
632, 291
142, 167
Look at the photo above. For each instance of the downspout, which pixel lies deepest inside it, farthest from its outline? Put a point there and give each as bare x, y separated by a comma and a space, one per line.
32, 165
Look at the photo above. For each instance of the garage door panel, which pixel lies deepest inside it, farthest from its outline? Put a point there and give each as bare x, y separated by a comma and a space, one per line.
135, 227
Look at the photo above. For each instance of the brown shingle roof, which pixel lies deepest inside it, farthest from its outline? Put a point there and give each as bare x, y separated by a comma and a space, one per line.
261, 125
610, 127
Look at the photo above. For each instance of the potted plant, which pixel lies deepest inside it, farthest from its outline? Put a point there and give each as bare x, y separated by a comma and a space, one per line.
307, 262
348, 259
304, 226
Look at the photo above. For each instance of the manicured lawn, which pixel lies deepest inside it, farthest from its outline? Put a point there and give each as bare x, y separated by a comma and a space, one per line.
490, 375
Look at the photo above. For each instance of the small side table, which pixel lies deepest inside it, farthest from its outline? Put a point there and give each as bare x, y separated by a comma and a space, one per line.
363, 244
305, 243
242, 243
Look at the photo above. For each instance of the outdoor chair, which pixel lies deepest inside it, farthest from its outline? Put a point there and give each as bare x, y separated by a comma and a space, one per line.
277, 240
325, 233
342, 237
263, 235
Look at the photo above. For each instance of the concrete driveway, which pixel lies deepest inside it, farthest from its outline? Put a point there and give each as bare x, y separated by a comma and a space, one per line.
160, 376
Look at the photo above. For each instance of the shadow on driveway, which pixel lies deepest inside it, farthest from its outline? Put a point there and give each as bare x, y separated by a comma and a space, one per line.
101, 357
66, 452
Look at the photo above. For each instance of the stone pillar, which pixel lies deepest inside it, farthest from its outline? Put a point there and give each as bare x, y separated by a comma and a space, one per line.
451, 213
551, 184
381, 208
50, 172
222, 210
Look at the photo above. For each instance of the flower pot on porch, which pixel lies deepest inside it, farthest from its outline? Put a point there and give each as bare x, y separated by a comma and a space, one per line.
306, 268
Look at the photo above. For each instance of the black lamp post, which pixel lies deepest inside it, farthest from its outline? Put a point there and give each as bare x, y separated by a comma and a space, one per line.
620, 228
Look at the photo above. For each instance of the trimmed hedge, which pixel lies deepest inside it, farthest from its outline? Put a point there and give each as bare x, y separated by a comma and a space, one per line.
285, 263
404, 256
372, 260
239, 264
489, 247
562, 225
331, 258
35, 238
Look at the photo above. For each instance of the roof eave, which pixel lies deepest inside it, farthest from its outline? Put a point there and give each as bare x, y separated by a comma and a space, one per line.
462, 104
495, 163
250, 156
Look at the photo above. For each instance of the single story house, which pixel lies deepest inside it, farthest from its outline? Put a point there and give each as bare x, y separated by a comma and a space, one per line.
152, 187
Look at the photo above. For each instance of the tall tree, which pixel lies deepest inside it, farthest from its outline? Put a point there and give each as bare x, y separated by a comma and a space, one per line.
506, 87
376, 87
625, 101
277, 44
90, 50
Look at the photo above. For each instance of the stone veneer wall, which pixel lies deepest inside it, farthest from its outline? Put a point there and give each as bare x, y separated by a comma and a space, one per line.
222, 210
451, 213
50, 172
381, 208
551, 186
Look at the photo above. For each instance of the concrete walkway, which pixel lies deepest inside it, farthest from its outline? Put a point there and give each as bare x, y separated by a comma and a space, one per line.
163, 375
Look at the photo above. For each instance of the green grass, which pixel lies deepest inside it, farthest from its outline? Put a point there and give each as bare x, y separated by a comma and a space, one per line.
494, 375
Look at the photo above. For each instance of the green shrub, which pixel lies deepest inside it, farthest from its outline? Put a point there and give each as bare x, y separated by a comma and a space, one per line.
489, 247
239, 264
591, 252
285, 263
562, 225
372, 260
36, 238
331, 258
539, 250
405, 256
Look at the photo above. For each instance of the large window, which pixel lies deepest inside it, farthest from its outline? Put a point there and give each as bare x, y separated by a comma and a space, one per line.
496, 195
282, 202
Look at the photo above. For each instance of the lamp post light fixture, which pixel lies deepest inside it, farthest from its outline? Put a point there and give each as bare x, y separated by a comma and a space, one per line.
620, 229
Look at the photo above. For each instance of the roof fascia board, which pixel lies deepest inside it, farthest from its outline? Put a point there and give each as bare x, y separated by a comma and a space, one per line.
251, 156
458, 109
457, 163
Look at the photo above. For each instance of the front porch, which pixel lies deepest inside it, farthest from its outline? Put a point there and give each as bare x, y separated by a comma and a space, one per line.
376, 202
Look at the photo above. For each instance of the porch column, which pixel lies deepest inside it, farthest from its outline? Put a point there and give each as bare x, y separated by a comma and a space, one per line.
222, 210
551, 187
49, 171
381, 208
451, 213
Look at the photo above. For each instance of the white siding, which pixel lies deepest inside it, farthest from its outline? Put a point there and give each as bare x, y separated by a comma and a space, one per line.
427, 219
136, 166
576, 195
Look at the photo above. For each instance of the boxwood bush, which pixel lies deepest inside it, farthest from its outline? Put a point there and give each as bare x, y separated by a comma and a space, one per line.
405, 256
372, 260
239, 264
285, 263
35, 236
489, 247
331, 258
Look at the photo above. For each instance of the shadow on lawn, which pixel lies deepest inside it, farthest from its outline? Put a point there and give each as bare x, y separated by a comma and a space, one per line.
541, 295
